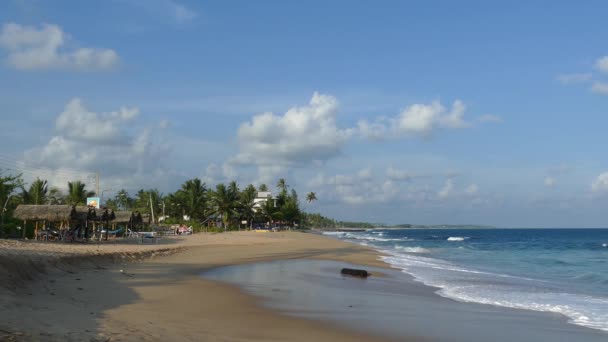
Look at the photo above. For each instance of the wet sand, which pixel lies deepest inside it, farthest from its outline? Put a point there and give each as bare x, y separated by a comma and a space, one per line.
394, 305
59, 292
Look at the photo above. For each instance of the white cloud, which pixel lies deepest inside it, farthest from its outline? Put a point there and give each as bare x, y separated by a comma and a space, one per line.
357, 188
416, 120
472, 190
32, 48
490, 118
87, 141
301, 136
447, 189
574, 78
600, 88
398, 175
361, 176
78, 123
602, 64
550, 181
455, 118
375, 131
601, 183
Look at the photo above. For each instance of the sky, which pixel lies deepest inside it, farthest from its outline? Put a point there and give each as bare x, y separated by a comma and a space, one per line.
424, 112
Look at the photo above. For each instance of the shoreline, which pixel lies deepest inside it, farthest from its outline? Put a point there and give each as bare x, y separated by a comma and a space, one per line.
124, 292
545, 319
165, 298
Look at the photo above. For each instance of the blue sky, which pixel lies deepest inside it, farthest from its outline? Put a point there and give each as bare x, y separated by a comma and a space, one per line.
480, 112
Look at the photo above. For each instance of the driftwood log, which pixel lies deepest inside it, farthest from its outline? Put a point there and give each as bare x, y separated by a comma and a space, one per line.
355, 273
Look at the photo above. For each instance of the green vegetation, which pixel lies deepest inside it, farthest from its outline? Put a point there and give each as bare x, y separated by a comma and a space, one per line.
225, 207
322, 222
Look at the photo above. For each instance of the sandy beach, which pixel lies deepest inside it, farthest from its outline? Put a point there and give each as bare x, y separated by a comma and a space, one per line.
153, 292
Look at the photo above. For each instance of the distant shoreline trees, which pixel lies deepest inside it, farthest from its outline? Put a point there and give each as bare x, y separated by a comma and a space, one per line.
226, 206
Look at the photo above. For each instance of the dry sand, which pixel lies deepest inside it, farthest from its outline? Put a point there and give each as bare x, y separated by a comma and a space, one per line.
133, 292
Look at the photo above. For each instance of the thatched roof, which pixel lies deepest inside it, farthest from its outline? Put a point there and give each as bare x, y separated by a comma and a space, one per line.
56, 213
53, 213
122, 217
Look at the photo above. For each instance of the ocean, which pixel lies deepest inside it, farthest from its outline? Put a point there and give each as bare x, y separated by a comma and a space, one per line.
562, 271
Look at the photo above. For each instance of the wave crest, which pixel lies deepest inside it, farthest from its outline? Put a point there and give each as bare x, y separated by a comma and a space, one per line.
457, 238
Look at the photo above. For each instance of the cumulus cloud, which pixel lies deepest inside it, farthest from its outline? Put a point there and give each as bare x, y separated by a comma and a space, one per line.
78, 123
600, 184
88, 141
416, 120
550, 181
300, 136
602, 64
447, 189
32, 48
600, 88
310, 135
357, 188
574, 78
215, 174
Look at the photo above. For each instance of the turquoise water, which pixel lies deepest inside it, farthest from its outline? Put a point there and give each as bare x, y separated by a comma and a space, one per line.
555, 270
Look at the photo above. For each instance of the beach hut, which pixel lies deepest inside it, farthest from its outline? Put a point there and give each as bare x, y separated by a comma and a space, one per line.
64, 215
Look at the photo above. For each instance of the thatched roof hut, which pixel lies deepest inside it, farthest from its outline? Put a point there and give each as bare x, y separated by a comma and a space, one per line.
62, 213
52, 213
122, 216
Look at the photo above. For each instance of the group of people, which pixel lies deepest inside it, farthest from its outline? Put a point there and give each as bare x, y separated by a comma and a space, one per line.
182, 229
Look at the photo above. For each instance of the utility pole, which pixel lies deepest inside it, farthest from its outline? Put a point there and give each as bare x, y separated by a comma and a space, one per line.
97, 183
164, 211
151, 208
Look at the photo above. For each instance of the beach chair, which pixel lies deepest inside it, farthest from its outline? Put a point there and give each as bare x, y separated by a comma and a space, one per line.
149, 236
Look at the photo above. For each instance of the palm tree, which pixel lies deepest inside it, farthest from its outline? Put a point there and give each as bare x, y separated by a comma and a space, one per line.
282, 185
122, 199
290, 209
249, 192
142, 202
55, 196
233, 189
263, 187
247, 203
311, 197
268, 210
192, 198
224, 202
77, 194
37, 193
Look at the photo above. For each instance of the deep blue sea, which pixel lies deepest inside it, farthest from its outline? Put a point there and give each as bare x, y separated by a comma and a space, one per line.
556, 270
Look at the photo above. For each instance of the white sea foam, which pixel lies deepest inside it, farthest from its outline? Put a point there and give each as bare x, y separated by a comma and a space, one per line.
372, 238
457, 238
334, 233
412, 249
468, 285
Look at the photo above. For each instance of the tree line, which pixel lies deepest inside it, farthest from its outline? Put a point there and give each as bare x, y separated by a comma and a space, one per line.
227, 205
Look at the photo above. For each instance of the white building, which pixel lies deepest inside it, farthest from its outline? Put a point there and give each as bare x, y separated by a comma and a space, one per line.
261, 198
